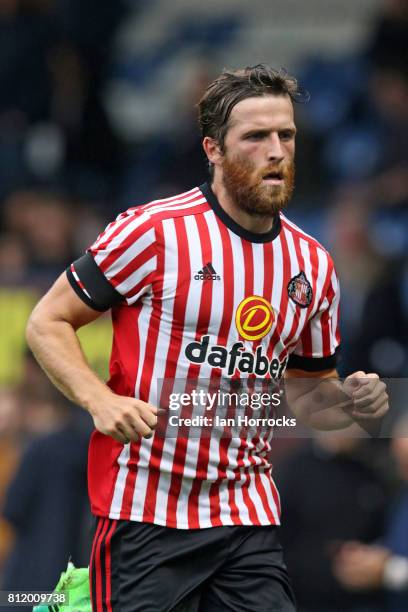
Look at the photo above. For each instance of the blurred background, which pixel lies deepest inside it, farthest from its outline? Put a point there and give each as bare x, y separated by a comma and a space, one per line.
97, 113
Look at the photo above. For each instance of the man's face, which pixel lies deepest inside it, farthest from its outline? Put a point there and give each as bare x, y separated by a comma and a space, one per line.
257, 167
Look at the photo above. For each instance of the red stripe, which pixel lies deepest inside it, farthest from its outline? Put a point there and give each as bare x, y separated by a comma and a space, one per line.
227, 314
122, 222
235, 517
127, 500
290, 338
203, 319
132, 214
173, 354
327, 292
268, 271
133, 265
125, 359
77, 279
307, 331
172, 213
144, 282
157, 207
262, 494
113, 253
195, 195
337, 330
258, 449
204, 445
295, 322
275, 495
325, 325
269, 279
92, 559
283, 305
147, 368
243, 449
127, 242
108, 566
98, 566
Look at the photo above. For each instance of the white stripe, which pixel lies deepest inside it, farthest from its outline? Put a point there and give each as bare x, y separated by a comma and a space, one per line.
79, 283
139, 211
249, 458
117, 240
175, 206
143, 323
334, 312
120, 483
135, 278
192, 311
315, 319
321, 274
177, 198
191, 314
110, 229
217, 307
294, 269
134, 249
259, 273
163, 343
267, 481
277, 288
239, 295
239, 499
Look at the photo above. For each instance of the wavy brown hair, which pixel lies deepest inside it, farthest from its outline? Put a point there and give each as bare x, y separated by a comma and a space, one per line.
220, 97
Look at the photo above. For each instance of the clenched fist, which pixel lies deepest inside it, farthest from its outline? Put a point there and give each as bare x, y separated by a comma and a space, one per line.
368, 395
125, 419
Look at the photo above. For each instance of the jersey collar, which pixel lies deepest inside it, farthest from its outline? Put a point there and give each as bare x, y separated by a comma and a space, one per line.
233, 225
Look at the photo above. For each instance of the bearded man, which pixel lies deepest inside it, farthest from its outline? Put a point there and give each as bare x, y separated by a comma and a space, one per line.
209, 285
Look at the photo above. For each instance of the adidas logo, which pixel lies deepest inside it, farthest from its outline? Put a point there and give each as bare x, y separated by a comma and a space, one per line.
207, 273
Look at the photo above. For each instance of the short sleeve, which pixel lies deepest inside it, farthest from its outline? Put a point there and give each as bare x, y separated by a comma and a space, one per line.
318, 345
119, 265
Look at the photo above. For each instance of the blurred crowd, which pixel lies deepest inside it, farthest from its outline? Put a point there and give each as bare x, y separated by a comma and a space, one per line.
68, 165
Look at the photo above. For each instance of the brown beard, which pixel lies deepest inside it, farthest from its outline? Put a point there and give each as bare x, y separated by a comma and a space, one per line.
249, 192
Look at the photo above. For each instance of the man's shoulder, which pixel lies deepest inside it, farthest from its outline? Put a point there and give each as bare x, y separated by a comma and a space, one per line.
183, 204
299, 233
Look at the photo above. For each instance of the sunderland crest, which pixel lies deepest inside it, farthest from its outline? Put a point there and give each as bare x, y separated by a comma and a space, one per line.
300, 290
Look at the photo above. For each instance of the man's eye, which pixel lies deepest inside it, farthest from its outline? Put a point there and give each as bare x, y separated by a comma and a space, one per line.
256, 136
286, 135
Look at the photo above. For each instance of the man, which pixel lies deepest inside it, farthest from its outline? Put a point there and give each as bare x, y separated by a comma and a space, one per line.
213, 283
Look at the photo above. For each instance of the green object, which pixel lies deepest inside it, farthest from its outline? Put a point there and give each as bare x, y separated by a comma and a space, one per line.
74, 583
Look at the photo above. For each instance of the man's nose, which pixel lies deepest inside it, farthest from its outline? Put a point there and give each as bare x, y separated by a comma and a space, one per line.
275, 150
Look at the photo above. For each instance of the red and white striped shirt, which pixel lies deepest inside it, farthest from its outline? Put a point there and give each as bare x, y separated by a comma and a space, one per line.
180, 274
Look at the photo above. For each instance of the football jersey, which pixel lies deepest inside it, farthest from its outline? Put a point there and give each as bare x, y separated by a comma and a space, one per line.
195, 296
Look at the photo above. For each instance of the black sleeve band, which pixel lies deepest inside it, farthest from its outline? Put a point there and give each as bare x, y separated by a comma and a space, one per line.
102, 295
313, 364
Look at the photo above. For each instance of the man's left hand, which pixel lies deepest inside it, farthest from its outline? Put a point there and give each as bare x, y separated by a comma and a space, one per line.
368, 394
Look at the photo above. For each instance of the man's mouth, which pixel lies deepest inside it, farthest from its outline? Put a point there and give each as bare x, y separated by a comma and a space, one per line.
273, 178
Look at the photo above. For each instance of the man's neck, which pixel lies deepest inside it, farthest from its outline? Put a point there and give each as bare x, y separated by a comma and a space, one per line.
258, 224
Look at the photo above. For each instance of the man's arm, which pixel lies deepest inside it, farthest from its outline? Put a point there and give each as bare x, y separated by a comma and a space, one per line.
321, 401
51, 335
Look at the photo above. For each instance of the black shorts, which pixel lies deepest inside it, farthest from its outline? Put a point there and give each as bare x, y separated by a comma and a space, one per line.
144, 567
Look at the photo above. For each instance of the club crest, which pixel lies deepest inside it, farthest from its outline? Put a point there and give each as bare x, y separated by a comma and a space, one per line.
300, 290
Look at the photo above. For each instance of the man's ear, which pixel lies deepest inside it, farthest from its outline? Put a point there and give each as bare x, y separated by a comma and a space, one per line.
212, 150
